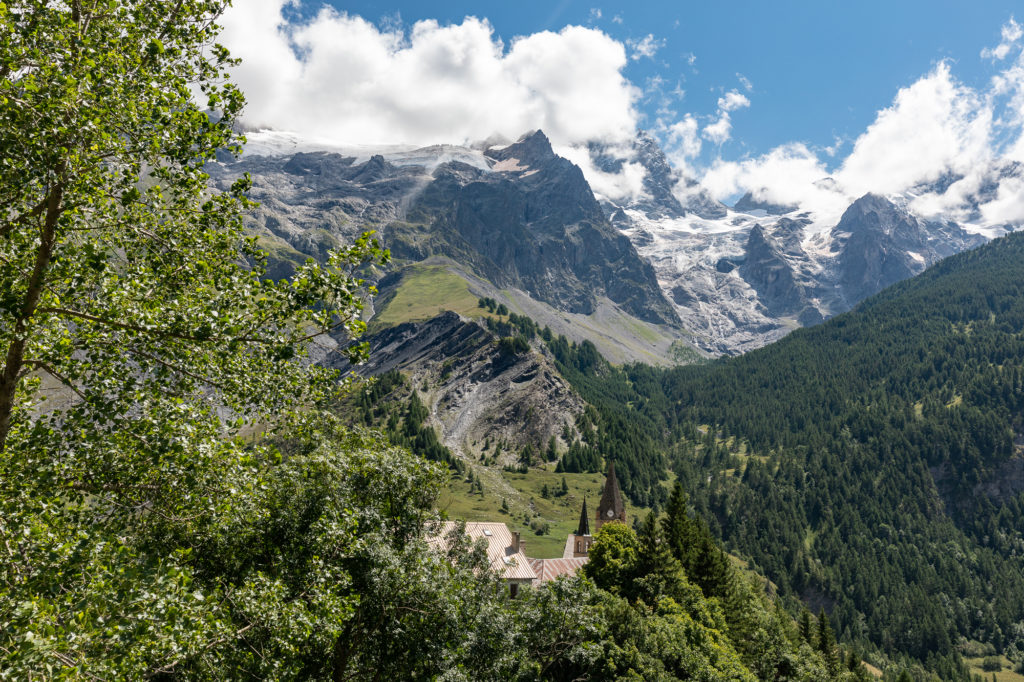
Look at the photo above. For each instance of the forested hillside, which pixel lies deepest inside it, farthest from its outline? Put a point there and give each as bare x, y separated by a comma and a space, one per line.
872, 464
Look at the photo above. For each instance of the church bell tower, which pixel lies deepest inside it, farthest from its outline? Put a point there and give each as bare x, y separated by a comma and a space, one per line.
611, 508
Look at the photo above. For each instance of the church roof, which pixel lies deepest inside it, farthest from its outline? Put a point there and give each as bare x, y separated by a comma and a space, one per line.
549, 569
612, 497
584, 528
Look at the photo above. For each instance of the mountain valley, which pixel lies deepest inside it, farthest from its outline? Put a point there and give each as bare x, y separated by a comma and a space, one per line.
505, 316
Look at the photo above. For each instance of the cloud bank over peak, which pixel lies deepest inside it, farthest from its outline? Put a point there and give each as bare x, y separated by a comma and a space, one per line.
940, 144
934, 126
341, 78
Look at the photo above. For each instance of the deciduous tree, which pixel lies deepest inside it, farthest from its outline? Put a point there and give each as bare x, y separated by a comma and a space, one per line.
139, 342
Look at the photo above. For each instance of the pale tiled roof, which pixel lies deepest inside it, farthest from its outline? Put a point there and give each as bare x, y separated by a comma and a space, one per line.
509, 564
549, 569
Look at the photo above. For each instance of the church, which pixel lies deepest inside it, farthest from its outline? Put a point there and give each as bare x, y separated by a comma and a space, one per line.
577, 545
611, 508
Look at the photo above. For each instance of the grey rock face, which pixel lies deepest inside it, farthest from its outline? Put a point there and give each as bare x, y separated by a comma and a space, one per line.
473, 391
311, 202
530, 222
880, 244
772, 277
534, 223
745, 281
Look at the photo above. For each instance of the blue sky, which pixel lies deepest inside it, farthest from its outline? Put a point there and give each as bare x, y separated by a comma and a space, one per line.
820, 71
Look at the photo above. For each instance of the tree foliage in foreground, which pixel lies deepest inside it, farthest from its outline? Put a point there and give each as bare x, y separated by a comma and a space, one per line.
139, 342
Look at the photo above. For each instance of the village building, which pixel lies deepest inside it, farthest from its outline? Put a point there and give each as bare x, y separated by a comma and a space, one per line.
506, 549
577, 545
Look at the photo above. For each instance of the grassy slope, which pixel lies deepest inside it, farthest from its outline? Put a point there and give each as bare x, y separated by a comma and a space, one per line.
425, 292
1004, 675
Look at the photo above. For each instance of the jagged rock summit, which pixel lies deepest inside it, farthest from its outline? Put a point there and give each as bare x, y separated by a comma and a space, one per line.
518, 216
880, 244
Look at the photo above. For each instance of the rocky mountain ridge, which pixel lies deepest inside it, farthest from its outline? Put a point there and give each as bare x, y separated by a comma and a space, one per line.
519, 216
745, 276
523, 219
478, 391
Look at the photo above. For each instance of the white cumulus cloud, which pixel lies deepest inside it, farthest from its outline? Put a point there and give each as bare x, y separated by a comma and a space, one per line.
934, 126
682, 140
341, 78
627, 183
647, 46
721, 130
1011, 33
732, 101
790, 174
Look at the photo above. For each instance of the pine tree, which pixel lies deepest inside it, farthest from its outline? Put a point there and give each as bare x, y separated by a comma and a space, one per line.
679, 528
806, 629
658, 572
526, 455
827, 641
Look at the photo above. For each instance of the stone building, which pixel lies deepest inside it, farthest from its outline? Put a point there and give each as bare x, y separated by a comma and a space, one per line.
504, 551
578, 544
611, 508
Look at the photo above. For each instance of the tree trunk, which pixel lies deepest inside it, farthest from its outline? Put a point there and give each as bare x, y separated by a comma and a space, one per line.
15, 359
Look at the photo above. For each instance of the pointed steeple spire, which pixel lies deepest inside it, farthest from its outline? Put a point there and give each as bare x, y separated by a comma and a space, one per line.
584, 528
612, 507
